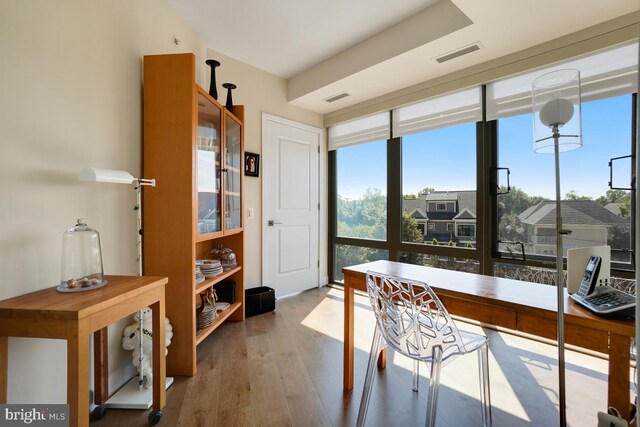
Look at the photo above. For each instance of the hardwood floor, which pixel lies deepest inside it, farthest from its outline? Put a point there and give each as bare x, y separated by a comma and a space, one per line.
285, 369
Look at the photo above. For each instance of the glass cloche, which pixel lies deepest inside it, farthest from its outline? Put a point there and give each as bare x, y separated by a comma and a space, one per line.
226, 256
81, 259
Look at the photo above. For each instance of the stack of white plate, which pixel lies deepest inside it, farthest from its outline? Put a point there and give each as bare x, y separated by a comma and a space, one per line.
199, 276
206, 316
210, 267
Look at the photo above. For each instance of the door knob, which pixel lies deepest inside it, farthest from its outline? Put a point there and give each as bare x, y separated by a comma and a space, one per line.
271, 223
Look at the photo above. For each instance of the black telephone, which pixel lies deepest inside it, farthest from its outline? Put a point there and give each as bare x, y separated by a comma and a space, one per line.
602, 300
590, 276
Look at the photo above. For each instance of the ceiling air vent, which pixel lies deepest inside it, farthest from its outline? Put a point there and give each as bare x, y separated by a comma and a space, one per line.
458, 53
336, 97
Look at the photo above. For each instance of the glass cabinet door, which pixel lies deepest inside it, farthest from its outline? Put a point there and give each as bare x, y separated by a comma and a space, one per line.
233, 182
208, 166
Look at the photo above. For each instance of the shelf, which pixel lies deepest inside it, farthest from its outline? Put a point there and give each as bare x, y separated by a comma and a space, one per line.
232, 193
212, 281
222, 316
208, 236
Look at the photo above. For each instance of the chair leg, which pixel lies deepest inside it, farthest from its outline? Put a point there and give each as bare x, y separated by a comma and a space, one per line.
416, 374
434, 384
485, 393
368, 381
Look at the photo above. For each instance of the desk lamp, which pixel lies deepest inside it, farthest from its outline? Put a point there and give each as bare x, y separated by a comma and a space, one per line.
132, 395
556, 105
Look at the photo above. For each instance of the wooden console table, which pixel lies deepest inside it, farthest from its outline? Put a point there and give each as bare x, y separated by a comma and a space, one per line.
513, 304
73, 317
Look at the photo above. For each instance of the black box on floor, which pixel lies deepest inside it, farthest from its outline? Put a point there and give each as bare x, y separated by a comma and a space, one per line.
259, 300
226, 291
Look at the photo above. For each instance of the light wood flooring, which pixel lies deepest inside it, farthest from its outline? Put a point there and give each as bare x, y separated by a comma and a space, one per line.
285, 369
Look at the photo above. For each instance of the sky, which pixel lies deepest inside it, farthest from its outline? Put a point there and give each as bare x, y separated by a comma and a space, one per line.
445, 159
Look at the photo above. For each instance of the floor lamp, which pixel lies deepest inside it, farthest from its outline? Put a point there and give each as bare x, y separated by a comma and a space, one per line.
132, 395
556, 104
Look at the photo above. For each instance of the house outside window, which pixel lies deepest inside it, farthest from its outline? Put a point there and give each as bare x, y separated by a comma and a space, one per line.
449, 227
432, 226
441, 206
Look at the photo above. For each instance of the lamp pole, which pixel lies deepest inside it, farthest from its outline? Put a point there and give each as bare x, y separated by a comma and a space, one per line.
560, 282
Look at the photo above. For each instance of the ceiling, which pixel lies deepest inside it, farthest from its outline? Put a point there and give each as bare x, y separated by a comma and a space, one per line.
368, 48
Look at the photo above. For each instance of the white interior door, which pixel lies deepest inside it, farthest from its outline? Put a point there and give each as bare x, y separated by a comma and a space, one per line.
290, 209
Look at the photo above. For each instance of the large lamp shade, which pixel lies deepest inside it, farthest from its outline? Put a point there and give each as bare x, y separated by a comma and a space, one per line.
556, 107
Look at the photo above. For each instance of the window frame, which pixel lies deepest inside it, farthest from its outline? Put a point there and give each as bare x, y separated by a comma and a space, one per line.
619, 269
486, 226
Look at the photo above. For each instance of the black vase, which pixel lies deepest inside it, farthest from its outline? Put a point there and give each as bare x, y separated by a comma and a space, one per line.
213, 91
229, 104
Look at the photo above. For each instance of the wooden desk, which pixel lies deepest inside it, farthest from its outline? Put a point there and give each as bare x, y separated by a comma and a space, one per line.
521, 306
74, 316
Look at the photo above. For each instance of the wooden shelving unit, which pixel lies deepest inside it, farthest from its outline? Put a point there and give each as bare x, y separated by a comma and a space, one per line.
194, 149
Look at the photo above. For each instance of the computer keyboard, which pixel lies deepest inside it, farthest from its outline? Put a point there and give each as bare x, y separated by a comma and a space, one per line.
606, 300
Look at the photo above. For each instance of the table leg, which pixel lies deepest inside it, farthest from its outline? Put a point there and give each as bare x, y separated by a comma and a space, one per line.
101, 365
619, 362
348, 336
159, 362
4, 368
78, 375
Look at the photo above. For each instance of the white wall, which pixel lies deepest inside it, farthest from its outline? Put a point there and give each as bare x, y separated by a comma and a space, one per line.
262, 92
71, 97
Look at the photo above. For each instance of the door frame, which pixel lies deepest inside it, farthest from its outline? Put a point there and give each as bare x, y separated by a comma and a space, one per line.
266, 117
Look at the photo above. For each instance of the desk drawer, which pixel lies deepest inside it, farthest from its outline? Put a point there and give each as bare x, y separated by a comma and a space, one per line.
481, 312
573, 334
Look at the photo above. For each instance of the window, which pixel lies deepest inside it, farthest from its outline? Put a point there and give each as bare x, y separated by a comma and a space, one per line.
439, 173
358, 159
362, 191
435, 164
466, 230
596, 214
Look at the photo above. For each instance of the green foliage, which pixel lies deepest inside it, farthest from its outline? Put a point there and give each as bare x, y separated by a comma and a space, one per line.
411, 232
516, 201
619, 237
622, 197
510, 228
364, 218
426, 190
410, 197
511, 205
572, 195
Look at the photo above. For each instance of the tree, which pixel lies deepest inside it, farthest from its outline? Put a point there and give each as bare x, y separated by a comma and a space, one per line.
618, 237
364, 218
510, 205
621, 197
516, 201
572, 195
411, 232
426, 190
510, 228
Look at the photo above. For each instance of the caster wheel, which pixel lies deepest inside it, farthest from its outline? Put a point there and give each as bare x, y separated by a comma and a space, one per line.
155, 417
98, 413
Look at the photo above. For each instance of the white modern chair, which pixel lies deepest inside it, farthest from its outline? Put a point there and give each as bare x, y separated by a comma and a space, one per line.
411, 319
